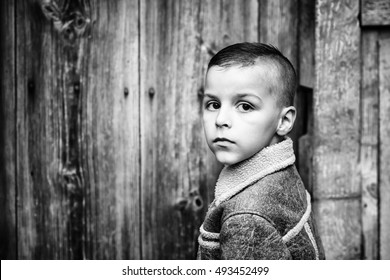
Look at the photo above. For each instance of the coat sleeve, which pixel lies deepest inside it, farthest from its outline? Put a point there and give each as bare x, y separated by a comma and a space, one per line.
250, 236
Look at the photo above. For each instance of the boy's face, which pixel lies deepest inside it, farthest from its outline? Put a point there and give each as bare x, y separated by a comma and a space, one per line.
240, 115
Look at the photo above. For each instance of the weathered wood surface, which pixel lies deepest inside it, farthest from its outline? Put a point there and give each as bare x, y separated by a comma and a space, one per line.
336, 184
77, 130
278, 25
369, 143
112, 120
375, 12
7, 132
384, 147
306, 24
100, 132
178, 173
339, 227
306, 42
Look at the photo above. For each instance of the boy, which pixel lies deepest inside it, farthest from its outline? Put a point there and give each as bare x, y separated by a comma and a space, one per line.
261, 208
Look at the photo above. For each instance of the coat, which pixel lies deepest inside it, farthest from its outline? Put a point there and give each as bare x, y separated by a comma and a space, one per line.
261, 211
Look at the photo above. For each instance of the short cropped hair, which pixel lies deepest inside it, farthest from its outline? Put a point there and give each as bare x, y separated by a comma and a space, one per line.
248, 54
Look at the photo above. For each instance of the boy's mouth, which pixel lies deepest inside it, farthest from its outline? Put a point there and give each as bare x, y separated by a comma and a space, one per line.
222, 140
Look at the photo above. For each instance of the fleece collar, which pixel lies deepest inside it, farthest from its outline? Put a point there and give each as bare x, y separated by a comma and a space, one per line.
235, 178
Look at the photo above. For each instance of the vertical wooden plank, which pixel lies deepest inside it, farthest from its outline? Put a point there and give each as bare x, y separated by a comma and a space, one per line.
306, 41
369, 143
177, 39
8, 249
306, 36
375, 12
384, 136
27, 199
110, 132
50, 183
78, 130
336, 186
278, 25
170, 129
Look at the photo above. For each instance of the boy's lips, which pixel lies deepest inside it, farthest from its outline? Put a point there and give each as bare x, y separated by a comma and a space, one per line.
216, 140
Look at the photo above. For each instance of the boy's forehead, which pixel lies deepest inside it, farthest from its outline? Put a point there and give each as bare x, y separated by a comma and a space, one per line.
261, 71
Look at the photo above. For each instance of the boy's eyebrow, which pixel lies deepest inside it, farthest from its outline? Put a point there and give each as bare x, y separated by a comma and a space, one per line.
241, 95
207, 94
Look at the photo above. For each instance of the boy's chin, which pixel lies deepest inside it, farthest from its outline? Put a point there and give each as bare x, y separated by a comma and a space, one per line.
227, 159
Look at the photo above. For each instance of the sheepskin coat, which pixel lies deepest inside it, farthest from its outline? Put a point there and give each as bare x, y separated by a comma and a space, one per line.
261, 211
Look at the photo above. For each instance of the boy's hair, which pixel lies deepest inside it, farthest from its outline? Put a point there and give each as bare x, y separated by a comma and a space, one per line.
248, 54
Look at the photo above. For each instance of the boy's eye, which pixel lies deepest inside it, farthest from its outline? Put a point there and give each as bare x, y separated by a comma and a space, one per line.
212, 105
245, 107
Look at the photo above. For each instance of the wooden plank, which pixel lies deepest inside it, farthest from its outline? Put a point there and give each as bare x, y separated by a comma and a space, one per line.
336, 121
177, 39
337, 226
111, 147
77, 133
384, 136
306, 42
375, 12
8, 242
278, 25
26, 201
369, 143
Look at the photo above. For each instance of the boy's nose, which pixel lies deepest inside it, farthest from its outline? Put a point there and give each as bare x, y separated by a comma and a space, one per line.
223, 118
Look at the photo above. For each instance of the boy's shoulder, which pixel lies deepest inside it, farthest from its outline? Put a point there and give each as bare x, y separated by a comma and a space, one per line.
271, 197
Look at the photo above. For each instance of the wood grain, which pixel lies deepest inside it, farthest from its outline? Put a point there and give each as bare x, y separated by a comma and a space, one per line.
112, 126
171, 129
375, 12
77, 132
369, 143
339, 228
306, 33
336, 122
8, 249
101, 143
384, 136
278, 25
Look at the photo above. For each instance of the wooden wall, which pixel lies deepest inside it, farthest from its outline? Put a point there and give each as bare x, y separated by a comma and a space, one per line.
375, 128
101, 141
350, 136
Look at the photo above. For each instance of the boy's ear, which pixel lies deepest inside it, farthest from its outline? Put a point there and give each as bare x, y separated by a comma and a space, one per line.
286, 122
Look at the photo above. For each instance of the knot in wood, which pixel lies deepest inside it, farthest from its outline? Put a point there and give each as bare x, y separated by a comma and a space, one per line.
69, 18
181, 204
151, 92
70, 179
126, 91
197, 203
76, 87
30, 85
